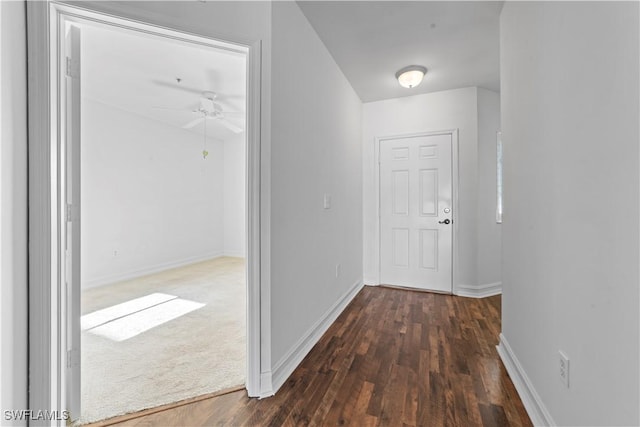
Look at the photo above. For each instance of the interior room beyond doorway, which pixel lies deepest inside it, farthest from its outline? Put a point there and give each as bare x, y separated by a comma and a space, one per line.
163, 221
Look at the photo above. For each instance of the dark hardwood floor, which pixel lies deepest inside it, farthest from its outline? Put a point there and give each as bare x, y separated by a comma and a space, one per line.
394, 357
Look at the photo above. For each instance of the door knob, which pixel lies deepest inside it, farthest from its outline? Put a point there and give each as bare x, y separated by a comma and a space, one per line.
446, 221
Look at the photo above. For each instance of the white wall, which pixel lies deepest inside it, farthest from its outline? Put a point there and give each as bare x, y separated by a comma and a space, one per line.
13, 215
453, 109
489, 261
570, 115
149, 199
316, 149
234, 223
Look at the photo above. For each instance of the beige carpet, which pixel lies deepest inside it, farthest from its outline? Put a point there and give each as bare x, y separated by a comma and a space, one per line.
200, 352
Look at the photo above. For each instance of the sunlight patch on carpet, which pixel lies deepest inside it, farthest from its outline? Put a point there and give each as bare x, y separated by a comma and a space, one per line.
123, 321
97, 318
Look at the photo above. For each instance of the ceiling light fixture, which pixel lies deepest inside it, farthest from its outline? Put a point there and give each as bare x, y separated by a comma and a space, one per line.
411, 76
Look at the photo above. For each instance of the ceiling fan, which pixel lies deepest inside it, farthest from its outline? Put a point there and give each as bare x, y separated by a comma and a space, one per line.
209, 109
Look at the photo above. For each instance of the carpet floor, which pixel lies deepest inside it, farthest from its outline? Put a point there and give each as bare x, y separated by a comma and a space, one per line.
181, 334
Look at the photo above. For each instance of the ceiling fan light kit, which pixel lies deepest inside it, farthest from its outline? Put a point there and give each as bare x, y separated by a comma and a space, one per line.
211, 110
411, 76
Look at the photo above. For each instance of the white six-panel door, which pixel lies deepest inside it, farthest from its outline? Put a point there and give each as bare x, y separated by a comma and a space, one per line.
416, 226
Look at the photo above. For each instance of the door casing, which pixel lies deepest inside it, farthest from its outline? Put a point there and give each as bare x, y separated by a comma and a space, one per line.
47, 307
454, 188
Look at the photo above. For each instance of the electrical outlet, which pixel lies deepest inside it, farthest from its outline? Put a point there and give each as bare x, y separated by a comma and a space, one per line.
337, 270
563, 360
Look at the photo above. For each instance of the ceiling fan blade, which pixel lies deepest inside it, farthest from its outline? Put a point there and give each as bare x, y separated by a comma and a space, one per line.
178, 86
193, 123
190, 110
233, 128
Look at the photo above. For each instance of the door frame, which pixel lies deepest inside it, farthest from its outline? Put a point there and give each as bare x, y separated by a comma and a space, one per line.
454, 192
47, 309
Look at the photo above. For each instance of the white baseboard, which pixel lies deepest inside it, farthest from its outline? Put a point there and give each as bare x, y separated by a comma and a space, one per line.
370, 281
290, 361
119, 277
530, 399
266, 387
479, 291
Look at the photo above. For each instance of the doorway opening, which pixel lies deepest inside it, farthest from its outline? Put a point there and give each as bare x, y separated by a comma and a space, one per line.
162, 209
72, 296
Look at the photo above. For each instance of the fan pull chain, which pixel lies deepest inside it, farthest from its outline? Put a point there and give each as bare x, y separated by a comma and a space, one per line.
205, 153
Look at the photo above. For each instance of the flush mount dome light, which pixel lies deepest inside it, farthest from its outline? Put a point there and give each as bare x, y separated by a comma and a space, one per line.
411, 76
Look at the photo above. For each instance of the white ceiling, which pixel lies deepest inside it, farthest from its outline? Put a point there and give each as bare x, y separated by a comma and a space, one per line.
458, 42
137, 73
